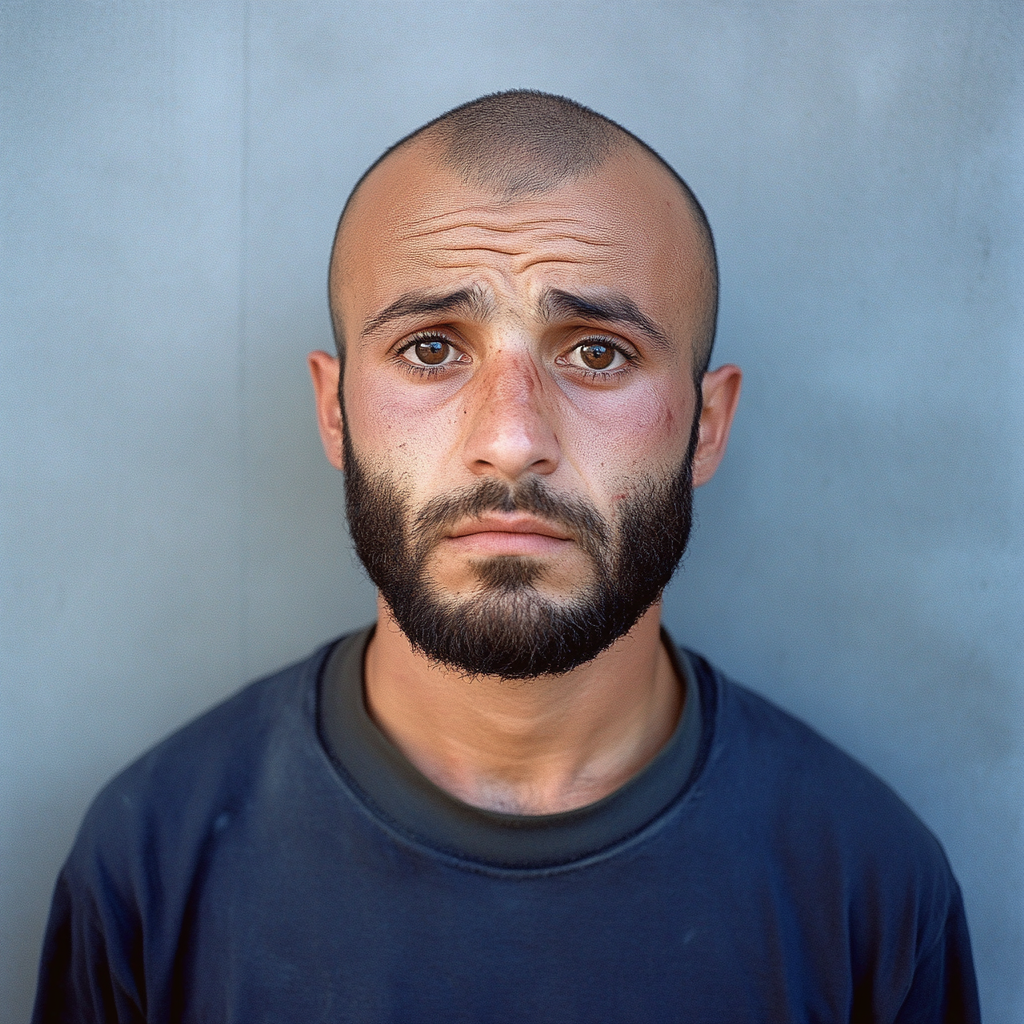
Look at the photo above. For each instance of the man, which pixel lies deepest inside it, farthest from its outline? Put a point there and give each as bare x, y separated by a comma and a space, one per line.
513, 799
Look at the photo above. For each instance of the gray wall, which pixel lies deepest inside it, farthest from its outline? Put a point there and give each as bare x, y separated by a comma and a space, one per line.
171, 177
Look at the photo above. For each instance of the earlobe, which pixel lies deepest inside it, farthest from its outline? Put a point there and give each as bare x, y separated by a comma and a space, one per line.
325, 370
721, 393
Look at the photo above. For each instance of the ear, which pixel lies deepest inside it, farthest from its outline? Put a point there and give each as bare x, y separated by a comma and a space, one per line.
721, 390
324, 370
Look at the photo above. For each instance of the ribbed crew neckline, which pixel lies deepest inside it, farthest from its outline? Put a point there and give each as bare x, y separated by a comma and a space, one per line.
394, 790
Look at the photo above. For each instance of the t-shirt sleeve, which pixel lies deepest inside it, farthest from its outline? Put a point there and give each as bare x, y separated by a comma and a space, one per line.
944, 990
84, 977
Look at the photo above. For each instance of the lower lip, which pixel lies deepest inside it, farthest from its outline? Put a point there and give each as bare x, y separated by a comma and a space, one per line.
498, 543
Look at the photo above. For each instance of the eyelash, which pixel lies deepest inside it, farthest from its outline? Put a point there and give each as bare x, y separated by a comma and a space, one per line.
631, 359
588, 375
416, 369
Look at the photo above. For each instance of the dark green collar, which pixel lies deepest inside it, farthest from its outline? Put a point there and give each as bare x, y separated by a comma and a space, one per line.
410, 803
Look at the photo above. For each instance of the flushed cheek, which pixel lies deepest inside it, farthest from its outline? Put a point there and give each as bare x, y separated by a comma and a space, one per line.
660, 421
646, 432
410, 433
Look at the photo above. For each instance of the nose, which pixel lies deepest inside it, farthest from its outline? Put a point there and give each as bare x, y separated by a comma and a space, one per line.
510, 429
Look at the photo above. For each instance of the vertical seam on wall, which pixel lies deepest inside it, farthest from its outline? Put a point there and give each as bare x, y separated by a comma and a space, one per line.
243, 304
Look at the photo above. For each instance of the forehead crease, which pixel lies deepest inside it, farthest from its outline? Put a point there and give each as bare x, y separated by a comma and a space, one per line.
486, 219
521, 258
480, 236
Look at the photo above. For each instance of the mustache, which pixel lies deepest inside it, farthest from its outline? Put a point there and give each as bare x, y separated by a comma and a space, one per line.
576, 515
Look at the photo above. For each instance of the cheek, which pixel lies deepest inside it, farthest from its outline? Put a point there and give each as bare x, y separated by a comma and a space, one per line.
663, 423
641, 434
636, 428
399, 425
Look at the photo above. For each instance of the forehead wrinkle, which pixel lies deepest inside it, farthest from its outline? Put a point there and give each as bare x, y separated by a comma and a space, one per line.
530, 236
483, 219
517, 265
477, 217
557, 248
530, 251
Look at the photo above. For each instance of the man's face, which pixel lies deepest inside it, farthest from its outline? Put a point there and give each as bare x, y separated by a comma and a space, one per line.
519, 406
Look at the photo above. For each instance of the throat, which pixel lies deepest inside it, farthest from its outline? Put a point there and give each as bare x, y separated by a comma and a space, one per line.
537, 747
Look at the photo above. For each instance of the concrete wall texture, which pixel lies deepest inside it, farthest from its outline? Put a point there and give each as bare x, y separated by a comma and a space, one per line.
171, 174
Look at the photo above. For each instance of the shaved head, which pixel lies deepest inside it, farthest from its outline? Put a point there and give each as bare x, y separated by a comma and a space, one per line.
523, 143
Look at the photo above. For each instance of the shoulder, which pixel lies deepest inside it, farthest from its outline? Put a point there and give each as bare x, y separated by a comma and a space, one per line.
754, 734
804, 791
149, 838
835, 856
173, 795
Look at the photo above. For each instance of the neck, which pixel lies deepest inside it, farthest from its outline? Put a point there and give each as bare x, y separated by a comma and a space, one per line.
539, 746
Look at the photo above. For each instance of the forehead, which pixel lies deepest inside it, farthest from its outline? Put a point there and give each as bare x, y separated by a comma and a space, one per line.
626, 228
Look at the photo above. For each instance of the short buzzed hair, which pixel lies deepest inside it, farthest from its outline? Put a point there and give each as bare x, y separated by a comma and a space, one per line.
523, 142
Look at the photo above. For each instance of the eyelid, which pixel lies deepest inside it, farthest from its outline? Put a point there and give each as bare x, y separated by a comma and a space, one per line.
441, 333
619, 345
586, 336
616, 341
437, 333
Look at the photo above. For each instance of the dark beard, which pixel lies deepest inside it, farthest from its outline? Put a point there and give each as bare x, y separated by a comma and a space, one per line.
508, 628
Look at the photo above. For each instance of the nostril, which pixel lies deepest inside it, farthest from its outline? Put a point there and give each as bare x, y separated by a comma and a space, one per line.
511, 447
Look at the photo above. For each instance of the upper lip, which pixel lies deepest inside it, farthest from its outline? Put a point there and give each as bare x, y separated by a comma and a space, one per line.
514, 523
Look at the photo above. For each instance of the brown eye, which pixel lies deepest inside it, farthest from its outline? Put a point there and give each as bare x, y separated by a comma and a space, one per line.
596, 355
432, 351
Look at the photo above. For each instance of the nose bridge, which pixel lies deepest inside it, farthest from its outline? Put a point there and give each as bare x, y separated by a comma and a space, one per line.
510, 429
513, 377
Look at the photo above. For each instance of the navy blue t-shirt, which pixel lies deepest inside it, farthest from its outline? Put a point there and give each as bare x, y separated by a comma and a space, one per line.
278, 860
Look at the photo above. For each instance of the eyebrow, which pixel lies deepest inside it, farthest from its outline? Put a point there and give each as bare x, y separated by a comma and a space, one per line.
555, 304
612, 308
469, 301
